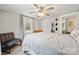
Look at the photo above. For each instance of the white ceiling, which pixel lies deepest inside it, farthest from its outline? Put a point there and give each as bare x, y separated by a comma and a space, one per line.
59, 9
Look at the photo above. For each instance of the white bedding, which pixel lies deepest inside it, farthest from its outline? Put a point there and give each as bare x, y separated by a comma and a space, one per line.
49, 44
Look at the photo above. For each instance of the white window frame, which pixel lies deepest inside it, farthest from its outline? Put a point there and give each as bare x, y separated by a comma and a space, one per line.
30, 21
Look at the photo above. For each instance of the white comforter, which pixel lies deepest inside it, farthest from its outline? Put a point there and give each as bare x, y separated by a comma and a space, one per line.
49, 44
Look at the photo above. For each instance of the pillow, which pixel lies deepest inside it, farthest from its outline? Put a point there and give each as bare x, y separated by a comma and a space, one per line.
77, 39
74, 34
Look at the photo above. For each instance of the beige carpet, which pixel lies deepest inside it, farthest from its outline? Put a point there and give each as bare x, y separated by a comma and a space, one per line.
16, 51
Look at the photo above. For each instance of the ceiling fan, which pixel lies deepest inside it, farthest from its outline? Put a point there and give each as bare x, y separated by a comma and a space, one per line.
42, 10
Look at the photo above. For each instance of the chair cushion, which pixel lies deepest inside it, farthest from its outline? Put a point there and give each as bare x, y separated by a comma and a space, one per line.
9, 36
2, 37
11, 42
6, 36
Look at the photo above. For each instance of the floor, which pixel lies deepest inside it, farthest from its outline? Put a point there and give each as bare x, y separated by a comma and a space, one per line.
16, 51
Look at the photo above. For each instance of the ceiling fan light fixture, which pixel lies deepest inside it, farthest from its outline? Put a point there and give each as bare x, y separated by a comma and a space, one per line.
42, 10
41, 14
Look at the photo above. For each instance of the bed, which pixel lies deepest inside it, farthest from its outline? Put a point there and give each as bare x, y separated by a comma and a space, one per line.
49, 44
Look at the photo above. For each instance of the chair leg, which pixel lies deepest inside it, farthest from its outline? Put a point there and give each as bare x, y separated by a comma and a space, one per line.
8, 51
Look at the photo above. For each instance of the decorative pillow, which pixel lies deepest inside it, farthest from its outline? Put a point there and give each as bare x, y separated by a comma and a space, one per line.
74, 34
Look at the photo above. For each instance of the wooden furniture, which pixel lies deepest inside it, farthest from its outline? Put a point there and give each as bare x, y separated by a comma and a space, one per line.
38, 30
8, 41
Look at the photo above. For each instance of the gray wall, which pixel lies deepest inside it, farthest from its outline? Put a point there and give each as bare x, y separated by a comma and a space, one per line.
9, 22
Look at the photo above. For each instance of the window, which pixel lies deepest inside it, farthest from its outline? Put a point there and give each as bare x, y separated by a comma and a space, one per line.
27, 24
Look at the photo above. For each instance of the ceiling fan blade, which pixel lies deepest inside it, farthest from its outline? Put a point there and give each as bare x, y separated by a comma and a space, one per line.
36, 5
50, 8
32, 12
46, 14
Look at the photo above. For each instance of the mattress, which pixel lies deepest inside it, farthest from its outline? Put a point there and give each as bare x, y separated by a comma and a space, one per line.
49, 44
